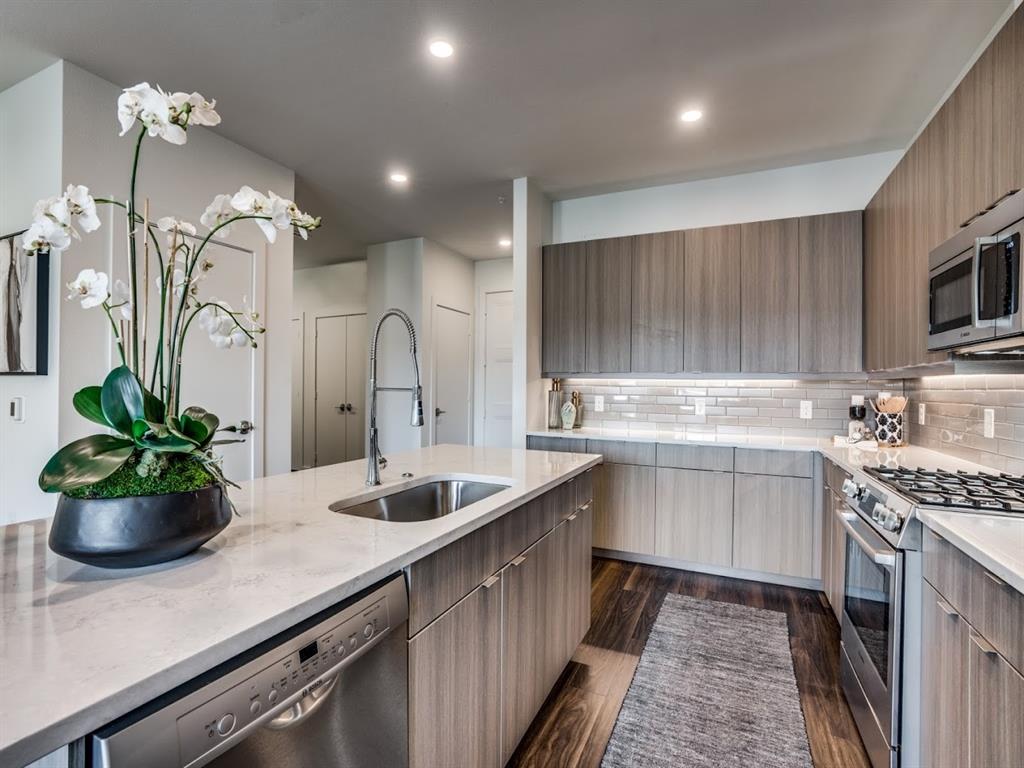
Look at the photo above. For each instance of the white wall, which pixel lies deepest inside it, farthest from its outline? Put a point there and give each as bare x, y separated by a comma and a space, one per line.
828, 187
333, 289
490, 276
30, 168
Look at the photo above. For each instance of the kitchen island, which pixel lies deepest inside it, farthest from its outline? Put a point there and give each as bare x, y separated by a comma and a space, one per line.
82, 646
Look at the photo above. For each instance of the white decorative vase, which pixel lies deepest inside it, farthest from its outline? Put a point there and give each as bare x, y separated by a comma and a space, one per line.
568, 415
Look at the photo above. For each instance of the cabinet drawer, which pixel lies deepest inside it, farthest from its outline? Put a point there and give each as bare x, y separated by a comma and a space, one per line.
834, 476
759, 461
948, 570
695, 457
623, 452
997, 612
585, 488
561, 444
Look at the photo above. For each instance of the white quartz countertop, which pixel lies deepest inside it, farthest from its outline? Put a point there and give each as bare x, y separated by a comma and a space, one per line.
80, 646
997, 543
850, 458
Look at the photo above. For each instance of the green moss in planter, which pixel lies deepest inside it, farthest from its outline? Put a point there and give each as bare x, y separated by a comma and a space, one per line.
160, 473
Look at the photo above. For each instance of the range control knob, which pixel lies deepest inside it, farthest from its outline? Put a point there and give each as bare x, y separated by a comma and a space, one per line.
889, 519
851, 489
226, 724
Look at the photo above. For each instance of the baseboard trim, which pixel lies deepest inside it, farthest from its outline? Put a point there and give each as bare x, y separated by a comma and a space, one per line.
713, 570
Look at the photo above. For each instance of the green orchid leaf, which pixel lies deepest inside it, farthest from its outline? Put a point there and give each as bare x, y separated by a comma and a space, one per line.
199, 424
142, 427
84, 462
87, 403
122, 400
170, 442
153, 406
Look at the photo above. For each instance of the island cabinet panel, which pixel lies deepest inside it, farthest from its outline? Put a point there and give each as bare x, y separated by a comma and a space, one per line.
711, 326
995, 707
564, 308
624, 508
831, 305
771, 288
658, 288
944, 688
609, 304
455, 684
578, 543
694, 516
774, 530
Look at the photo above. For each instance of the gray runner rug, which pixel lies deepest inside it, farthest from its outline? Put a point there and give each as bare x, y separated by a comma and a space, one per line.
714, 687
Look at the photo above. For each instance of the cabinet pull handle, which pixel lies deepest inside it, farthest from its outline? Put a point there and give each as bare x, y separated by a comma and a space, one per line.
587, 506
573, 516
995, 579
947, 609
983, 645
491, 581
519, 561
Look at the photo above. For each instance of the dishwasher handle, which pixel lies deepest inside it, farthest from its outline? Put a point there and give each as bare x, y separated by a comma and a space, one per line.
304, 708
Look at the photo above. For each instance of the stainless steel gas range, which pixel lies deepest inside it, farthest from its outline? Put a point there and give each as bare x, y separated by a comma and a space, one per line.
881, 618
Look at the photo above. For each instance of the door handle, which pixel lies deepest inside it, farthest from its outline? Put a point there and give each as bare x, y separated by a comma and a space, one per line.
244, 427
438, 412
348, 407
975, 288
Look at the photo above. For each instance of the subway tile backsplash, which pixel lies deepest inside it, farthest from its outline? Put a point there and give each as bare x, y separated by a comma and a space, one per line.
733, 406
954, 421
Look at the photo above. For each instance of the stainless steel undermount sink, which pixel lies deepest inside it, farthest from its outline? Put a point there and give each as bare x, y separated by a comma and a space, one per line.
428, 501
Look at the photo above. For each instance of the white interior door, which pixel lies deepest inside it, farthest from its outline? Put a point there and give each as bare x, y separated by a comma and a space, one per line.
453, 377
227, 382
298, 389
356, 357
498, 369
331, 339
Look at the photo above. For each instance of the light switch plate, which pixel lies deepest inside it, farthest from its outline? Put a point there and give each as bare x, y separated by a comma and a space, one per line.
599, 403
922, 413
990, 422
16, 409
700, 406
806, 409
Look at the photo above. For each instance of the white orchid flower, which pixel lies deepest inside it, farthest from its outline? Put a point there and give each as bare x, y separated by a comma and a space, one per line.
217, 319
121, 300
176, 229
45, 234
90, 286
249, 202
193, 109
79, 203
152, 108
217, 212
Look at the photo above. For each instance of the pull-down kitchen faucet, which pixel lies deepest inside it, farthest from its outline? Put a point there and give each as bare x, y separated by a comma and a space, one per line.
374, 461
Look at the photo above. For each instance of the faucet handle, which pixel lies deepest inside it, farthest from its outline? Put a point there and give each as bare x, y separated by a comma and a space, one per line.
382, 462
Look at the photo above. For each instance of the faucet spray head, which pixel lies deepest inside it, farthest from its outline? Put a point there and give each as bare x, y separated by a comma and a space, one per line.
417, 406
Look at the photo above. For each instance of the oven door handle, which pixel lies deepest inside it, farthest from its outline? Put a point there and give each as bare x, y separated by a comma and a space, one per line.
878, 556
975, 286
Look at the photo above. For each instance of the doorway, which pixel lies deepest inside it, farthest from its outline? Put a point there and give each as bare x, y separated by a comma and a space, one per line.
453, 376
339, 388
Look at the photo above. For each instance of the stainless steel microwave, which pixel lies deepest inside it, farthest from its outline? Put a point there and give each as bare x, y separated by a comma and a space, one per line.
975, 280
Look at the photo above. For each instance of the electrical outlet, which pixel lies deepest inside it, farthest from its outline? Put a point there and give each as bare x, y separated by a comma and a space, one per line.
17, 409
599, 403
922, 413
700, 406
990, 422
806, 409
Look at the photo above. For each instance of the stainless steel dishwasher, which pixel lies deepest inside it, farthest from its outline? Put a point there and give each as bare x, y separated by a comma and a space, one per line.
332, 691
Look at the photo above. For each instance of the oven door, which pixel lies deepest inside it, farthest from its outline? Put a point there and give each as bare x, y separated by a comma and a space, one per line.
951, 304
871, 634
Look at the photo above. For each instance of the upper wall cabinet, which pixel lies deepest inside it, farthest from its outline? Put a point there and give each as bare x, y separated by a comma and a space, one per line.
658, 294
770, 317
711, 324
609, 301
1008, 105
564, 325
830, 293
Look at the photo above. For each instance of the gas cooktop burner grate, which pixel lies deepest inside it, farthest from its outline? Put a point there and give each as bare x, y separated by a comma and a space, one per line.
981, 492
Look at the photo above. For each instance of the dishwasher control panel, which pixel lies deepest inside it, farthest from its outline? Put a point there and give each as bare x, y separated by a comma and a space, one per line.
285, 681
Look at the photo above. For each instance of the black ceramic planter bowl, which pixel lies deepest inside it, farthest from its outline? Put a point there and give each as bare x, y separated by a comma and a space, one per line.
139, 530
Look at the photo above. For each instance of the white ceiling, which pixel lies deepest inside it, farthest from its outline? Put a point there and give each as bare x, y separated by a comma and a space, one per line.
582, 95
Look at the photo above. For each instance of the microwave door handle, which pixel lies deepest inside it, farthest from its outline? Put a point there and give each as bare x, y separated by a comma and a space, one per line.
880, 557
976, 320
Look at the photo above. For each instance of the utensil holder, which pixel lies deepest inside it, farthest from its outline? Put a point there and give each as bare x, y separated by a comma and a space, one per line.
889, 429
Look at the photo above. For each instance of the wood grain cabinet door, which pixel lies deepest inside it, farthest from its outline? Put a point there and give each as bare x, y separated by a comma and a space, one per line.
564, 321
770, 317
830, 283
658, 289
578, 542
609, 304
624, 508
996, 701
694, 516
1008, 104
837, 570
971, 111
711, 326
774, 526
944, 683
455, 685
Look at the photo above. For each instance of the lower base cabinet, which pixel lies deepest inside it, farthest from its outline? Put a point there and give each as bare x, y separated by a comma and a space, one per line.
943, 689
624, 518
833, 551
774, 526
694, 516
995, 707
480, 672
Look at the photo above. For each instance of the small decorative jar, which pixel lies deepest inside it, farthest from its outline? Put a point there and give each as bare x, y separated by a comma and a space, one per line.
889, 429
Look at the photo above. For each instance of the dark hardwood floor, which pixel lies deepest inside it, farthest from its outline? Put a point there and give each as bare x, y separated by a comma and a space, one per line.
576, 722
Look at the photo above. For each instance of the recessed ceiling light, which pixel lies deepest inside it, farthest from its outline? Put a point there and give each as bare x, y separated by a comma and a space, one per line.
399, 178
505, 242
691, 116
442, 49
